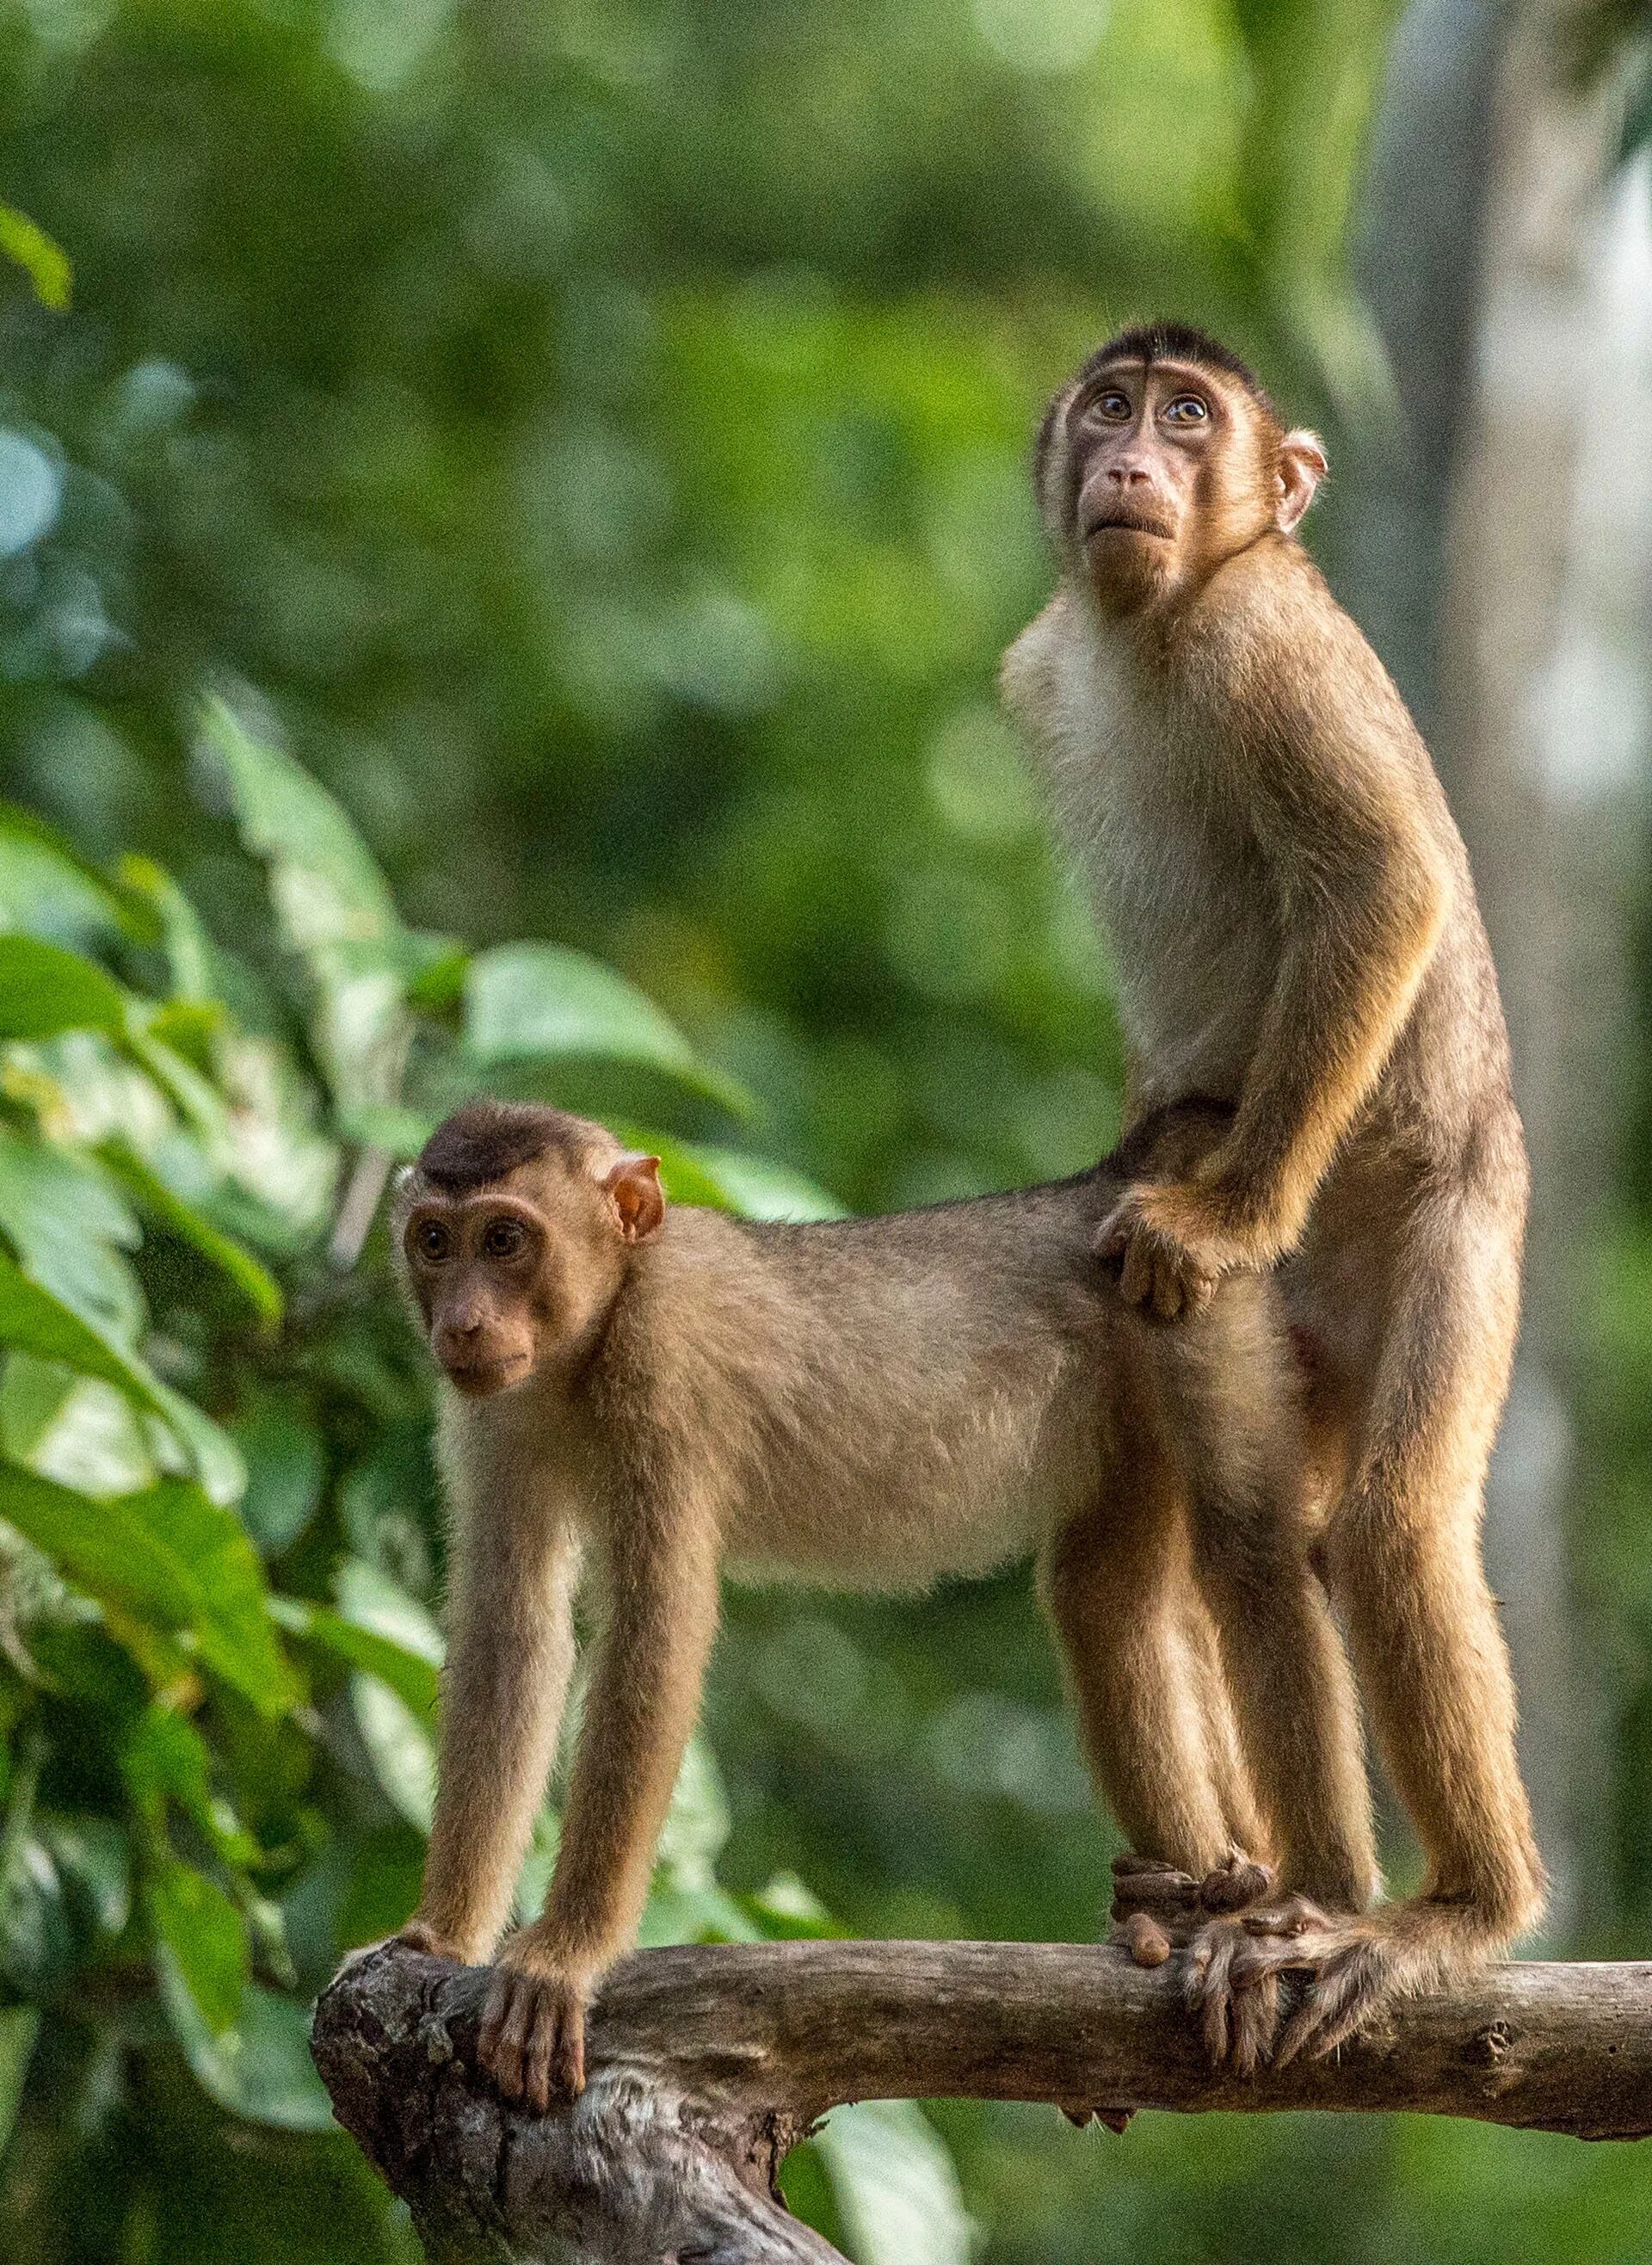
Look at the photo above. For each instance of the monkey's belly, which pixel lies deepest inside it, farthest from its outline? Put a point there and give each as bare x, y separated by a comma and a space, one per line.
904, 1530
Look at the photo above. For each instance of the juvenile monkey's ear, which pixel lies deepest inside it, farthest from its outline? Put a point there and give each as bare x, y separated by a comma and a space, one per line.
1302, 466
634, 1189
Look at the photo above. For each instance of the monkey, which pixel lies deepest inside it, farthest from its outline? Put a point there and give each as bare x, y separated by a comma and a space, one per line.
871, 1403
1296, 934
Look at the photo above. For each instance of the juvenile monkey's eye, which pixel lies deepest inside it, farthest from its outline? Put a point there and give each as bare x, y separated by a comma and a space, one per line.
1111, 408
1186, 409
432, 1242
503, 1238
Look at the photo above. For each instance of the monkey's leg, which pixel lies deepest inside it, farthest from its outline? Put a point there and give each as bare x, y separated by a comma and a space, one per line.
1116, 1586
1403, 1560
1300, 1722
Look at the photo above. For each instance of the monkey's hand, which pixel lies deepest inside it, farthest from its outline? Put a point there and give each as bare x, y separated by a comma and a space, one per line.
532, 2039
1165, 1248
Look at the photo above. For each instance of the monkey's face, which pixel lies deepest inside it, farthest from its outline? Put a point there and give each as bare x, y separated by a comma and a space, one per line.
510, 1279
1156, 472
487, 1285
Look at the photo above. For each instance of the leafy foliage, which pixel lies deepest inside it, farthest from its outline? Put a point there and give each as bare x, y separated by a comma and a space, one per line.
189, 1722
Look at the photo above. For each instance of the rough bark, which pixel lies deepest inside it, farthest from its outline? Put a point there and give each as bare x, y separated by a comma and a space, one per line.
707, 2065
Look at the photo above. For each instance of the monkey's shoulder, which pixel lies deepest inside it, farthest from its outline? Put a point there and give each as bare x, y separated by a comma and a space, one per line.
1271, 653
1035, 667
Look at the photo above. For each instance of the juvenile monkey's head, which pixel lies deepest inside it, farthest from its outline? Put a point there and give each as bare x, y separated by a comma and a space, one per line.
513, 1231
1159, 460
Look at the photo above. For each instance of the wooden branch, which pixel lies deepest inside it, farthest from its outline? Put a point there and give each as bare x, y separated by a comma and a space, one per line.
707, 2065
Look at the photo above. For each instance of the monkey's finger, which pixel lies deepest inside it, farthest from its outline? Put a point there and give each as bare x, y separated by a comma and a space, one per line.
1255, 2016
1145, 1940
567, 2056
493, 2012
1343, 1995
506, 2062
1198, 1290
1166, 1287
536, 2058
1135, 1276
1206, 1989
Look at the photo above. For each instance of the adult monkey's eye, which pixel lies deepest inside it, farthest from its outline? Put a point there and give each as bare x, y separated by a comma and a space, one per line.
503, 1238
432, 1242
1186, 409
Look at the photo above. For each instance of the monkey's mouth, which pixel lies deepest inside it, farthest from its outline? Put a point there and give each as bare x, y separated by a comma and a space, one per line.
1116, 523
479, 1380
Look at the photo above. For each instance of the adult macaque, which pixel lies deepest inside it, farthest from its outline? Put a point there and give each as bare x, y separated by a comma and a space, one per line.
873, 1403
1296, 934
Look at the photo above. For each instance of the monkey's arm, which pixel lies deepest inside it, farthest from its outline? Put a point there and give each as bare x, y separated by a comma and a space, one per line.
639, 1710
1363, 915
1365, 891
510, 1649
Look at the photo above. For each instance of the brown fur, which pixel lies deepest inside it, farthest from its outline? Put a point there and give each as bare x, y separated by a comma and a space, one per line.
873, 1403
1297, 936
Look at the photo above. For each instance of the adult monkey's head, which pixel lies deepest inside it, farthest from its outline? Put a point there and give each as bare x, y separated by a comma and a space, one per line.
1159, 460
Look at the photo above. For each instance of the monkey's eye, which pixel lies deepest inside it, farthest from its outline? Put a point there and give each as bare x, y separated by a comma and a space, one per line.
503, 1238
432, 1242
1111, 408
1186, 409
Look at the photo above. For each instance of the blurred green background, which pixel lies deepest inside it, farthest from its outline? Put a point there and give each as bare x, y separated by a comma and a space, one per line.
508, 515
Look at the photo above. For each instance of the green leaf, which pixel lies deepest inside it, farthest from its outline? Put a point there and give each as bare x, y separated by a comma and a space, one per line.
411, 1677
894, 2185
168, 1555
45, 989
286, 1466
327, 889
19, 2025
172, 916
35, 1321
400, 1132
202, 1943
68, 1224
47, 889
92, 1857
260, 2067
400, 1747
256, 1285
45, 262
752, 1185
546, 1002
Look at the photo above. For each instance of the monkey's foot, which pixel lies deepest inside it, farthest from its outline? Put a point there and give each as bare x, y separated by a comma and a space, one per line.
532, 2038
1156, 1908
1354, 1965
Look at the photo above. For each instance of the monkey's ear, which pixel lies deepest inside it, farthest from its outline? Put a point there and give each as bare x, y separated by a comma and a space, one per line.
634, 1189
1302, 466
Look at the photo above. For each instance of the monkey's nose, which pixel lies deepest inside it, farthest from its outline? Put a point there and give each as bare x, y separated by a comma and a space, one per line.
1126, 476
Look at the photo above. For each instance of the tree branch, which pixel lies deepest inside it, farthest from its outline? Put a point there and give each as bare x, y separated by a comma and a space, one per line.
707, 2065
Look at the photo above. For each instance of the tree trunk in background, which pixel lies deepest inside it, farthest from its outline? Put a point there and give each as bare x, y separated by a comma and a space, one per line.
1508, 582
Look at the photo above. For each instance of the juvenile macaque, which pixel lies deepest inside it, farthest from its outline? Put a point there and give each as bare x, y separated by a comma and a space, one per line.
1296, 934
870, 1402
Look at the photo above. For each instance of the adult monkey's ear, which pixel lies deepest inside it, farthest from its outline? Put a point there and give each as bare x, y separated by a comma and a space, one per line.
634, 1189
1302, 466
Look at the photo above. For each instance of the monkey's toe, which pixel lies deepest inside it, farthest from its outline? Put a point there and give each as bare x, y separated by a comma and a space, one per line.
1235, 1885
1347, 1992
1207, 1985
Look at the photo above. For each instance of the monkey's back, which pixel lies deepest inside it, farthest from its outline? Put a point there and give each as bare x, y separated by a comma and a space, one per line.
890, 1397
